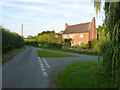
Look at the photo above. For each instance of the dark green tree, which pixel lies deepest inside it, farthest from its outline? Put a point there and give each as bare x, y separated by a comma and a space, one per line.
109, 40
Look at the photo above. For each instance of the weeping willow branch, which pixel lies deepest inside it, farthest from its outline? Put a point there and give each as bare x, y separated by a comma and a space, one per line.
109, 40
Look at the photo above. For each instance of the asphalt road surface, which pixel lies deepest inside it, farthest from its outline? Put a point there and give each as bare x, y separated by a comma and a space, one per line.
27, 70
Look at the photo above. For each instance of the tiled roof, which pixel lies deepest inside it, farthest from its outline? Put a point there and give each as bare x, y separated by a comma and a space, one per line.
78, 28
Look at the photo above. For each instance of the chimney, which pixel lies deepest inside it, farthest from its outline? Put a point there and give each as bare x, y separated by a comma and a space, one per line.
93, 22
93, 31
66, 25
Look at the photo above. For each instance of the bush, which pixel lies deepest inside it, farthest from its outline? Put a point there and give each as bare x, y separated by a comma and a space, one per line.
83, 45
11, 41
94, 44
67, 42
55, 45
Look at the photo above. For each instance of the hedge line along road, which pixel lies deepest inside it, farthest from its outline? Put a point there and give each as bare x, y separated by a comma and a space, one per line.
27, 70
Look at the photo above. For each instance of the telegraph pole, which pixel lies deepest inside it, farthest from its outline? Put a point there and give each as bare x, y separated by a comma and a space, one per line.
22, 29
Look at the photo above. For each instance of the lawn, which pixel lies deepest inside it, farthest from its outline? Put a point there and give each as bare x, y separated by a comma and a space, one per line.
83, 74
45, 53
67, 50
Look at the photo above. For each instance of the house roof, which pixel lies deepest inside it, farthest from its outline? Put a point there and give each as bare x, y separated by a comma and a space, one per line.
78, 28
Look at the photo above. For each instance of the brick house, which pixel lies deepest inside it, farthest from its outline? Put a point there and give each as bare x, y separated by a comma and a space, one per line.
80, 33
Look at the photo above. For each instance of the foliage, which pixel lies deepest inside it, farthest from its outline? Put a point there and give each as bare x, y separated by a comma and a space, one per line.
110, 41
46, 32
76, 45
83, 45
97, 4
46, 38
11, 40
94, 44
67, 42
29, 37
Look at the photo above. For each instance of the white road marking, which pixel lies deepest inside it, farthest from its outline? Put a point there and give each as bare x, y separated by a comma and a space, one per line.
45, 74
47, 65
40, 61
43, 69
42, 66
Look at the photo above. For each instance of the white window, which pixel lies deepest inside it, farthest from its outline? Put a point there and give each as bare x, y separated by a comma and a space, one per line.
71, 36
65, 37
81, 35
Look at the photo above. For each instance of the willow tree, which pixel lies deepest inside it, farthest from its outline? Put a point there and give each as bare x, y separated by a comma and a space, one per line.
110, 39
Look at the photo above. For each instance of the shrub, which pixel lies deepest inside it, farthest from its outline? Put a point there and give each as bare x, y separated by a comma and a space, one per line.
67, 42
94, 44
11, 40
83, 45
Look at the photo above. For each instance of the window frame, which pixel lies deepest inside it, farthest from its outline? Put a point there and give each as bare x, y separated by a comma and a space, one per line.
81, 36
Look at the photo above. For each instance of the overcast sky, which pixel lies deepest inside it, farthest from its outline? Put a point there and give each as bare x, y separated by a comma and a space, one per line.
41, 15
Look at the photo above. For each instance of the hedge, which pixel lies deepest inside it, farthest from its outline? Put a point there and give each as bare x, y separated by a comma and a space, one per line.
11, 40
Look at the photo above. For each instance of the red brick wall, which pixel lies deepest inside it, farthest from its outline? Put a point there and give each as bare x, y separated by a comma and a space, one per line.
77, 38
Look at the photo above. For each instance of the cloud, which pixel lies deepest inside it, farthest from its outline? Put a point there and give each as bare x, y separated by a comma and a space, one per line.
45, 1
73, 4
28, 7
55, 7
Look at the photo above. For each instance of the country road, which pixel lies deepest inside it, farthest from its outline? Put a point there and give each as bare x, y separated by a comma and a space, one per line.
27, 70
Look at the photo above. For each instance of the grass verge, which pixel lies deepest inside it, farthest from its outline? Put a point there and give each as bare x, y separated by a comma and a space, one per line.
83, 74
45, 53
9, 55
67, 50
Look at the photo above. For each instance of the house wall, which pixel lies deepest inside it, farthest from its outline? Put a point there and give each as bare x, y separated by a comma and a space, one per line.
77, 38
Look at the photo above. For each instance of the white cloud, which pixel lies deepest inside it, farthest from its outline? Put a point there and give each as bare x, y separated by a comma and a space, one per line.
54, 10
46, 1
29, 7
57, 3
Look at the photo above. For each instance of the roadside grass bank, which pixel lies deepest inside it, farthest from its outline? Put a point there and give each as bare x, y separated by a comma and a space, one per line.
45, 53
67, 50
83, 74
9, 55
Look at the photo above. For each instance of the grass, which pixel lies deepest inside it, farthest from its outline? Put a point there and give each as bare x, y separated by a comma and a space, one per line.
45, 53
9, 55
67, 50
83, 74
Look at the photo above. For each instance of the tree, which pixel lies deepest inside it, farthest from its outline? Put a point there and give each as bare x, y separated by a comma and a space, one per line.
29, 37
46, 32
67, 41
109, 39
